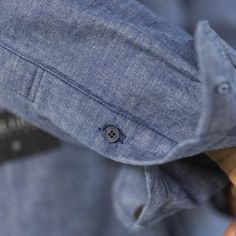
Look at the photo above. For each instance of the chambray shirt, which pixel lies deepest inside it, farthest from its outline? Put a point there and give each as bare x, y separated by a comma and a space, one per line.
77, 68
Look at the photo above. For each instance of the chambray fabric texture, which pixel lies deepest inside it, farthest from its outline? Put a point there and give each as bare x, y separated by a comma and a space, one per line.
71, 67
121, 65
60, 192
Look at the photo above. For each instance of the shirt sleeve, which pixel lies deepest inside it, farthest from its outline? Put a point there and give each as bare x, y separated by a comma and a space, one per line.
143, 199
117, 78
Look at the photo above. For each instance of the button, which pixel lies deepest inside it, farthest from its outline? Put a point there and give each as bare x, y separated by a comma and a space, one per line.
112, 134
223, 88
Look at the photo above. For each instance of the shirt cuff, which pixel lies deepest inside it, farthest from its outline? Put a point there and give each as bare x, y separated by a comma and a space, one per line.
143, 197
124, 69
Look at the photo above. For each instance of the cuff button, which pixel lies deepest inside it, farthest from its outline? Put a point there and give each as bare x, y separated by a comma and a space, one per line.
112, 134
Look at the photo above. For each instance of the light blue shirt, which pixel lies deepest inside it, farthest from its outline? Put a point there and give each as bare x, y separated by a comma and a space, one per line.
131, 96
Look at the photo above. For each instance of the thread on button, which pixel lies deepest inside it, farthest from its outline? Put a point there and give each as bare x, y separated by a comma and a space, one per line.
112, 133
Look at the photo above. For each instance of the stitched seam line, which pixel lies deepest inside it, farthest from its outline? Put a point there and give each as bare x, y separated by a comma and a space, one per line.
67, 80
153, 177
36, 84
33, 76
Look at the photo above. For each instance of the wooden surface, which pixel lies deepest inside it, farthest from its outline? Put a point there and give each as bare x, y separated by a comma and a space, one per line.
226, 159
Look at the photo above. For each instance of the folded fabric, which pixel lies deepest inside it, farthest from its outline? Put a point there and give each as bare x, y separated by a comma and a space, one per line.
127, 84
80, 67
143, 198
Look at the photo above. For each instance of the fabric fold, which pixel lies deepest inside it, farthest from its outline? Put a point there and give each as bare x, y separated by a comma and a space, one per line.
216, 126
142, 197
139, 74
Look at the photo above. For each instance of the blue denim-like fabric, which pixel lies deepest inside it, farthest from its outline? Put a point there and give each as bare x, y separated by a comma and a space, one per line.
71, 67
62, 47
56, 193
91, 48
71, 191
165, 190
